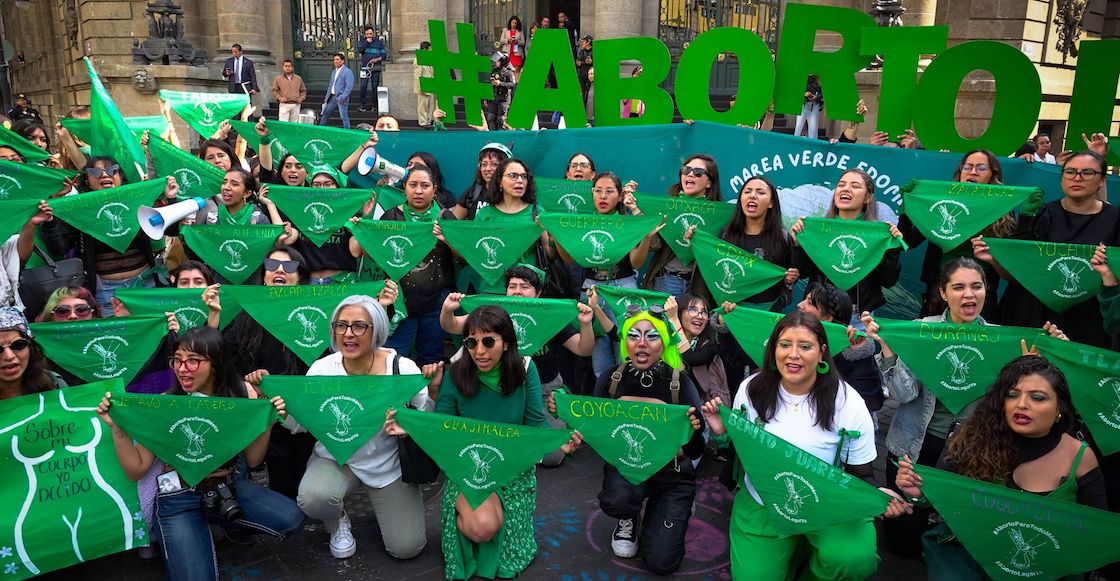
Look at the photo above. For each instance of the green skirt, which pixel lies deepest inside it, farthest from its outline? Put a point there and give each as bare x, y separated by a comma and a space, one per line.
507, 554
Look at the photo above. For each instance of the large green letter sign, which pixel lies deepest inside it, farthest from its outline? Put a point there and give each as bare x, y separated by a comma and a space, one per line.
756, 71
1094, 92
550, 51
611, 89
901, 48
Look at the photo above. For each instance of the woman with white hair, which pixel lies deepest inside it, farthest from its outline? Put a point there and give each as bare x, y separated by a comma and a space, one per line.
359, 328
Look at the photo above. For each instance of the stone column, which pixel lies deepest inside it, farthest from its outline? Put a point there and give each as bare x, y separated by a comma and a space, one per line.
919, 12
408, 28
243, 22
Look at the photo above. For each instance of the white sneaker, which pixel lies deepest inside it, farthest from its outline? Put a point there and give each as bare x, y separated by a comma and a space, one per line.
624, 543
342, 541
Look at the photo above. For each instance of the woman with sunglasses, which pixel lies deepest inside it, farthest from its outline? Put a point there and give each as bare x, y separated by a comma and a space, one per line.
475, 196
23, 367
512, 201
182, 523
699, 178
69, 303
493, 384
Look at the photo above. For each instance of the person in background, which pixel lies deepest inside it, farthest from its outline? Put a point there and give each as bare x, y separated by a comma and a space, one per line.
289, 91
504, 80
240, 72
512, 44
23, 109
583, 64
373, 53
386, 122
810, 116
469, 202
338, 92
425, 102
1042, 148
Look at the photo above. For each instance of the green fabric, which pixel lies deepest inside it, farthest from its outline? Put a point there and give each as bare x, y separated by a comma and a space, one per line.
618, 299
195, 435
1058, 274
501, 221
318, 212
109, 215
846, 251
154, 124
30, 181
60, 467
343, 412
311, 144
637, 438
492, 379
110, 135
598, 240
330, 171
506, 555
950, 213
195, 177
564, 196
114, 348
536, 321
389, 197
242, 217
186, 303
299, 316
752, 328
14, 214
957, 363
31, 153
204, 112
523, 406
1015, 534
481, 457
1094, 383
733, 274
490, 250
802, 492
396, 246
426, 216
683, 212
235, 252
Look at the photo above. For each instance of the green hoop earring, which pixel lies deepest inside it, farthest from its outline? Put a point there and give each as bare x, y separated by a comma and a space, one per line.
823, 367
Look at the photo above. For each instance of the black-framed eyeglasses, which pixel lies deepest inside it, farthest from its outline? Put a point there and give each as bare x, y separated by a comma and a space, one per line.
65, 310
1084, 174
517, 176
696, 171
189, 364
96, 172
288, 266
358, 328
980, 168
471, 343
16, 346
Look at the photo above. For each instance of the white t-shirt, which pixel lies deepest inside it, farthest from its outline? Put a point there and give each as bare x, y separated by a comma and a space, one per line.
796, 427
1048, 159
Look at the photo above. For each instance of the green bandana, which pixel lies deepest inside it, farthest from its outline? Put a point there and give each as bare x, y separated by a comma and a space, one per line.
330, 171
1018, 535
481, 457
536, 321
957, 363
114, 348
195, 435
801, 492
109, 215
318, 212
109, 134
1094, 383
396, 246
14, 214
618, 299
733, 274
752, 328
31, 153
25, 181
564, 196
195, 177
60, 469
491, 379
846, 251
388, 197
243, 217
427, 216
186, 303
682, 213
597, 241
950, 213
155, 125
491, 251
299, 316
343, 412
313, 145
204, 112
636, 438
1059, 275
235, 252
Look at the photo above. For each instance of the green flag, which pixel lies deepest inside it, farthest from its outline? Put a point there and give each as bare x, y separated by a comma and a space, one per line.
637, 438
389, 197
1018, 535
1094, 383
109, 134
957, 363
536, 321
846, 251
480, 456
196, 435
396, 246
801, 492
29, 181
195, 177
14, 214
186, 303
343, 412
564, 196
951, 213
596, 240
311, 144
1059, 275
618, 299
205, 111
490, 250
682, 213
113, 348
67, 498
733, 274
109, 215
80, 128
234, 251
318, 212
752, 328
299, 316
30, 152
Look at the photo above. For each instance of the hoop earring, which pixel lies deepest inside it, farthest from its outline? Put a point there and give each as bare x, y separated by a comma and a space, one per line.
823, 367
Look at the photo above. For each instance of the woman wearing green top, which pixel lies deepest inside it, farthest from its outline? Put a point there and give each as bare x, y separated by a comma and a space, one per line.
512, 198
494, 385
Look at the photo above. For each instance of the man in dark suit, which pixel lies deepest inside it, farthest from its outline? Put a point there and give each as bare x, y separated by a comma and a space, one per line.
338, 92
240, 73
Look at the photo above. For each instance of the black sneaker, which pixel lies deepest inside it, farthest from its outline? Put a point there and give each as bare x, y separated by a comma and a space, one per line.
624, 540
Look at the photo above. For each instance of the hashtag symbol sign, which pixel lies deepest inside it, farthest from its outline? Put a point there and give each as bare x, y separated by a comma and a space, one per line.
469, 64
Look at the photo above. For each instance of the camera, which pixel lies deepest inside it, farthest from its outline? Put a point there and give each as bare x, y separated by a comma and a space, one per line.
222, 501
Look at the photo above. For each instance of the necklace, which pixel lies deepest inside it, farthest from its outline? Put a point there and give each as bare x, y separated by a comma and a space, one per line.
793, 401
369, 371
645, 377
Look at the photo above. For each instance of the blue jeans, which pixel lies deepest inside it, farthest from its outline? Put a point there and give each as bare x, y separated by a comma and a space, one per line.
329, 107
420, 336
671, 284
107, 289
374, 79
181, 525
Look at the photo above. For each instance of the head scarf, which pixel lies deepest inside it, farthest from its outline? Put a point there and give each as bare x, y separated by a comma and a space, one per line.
12, 319
669, 353
331, 172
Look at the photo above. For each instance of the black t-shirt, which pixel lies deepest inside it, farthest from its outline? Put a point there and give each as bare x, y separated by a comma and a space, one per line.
548, 358
251, 347
630, 384
424, 285
334, 254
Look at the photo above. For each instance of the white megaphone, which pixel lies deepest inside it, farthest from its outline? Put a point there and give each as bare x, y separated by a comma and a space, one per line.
155, 220
369, 161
